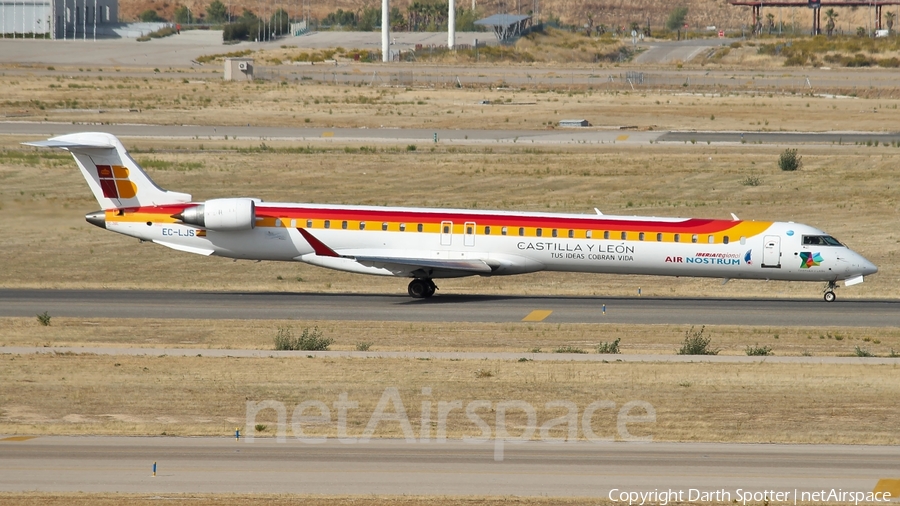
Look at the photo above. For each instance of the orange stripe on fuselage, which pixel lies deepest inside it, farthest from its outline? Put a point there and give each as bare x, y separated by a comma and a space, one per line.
431, 223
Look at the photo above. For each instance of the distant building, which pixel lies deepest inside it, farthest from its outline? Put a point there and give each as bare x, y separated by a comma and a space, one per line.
58, 19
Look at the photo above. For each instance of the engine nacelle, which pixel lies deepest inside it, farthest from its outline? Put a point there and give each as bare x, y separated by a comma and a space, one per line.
224, 215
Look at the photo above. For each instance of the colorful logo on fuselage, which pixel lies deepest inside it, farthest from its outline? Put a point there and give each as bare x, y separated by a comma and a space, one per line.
747, 256
808, 259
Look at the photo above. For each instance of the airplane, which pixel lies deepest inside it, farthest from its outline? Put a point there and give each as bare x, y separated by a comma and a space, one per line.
428, 244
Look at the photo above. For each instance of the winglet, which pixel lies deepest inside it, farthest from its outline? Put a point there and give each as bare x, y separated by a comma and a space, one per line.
318, 246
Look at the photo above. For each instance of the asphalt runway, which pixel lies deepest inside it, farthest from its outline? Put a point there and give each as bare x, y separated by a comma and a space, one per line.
397, 467
447, 308
461, 136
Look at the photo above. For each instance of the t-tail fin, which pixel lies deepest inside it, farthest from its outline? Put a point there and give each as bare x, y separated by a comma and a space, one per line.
115, 178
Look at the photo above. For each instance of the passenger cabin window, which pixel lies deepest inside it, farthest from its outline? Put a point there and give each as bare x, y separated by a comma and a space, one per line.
521, 230
277, 222
504, 231
658, 237
470, 230
554, 233
446, 229
539, 232
711, 239
820, 240
641, 236
743, 240
725, 240
589, 234
571, 234
308, 223
694, 238
362, 225
327, 223
606, 234
344, 225
384, 226
624, 236
403, 227
487, 230
293, 223
419, 227
677, 237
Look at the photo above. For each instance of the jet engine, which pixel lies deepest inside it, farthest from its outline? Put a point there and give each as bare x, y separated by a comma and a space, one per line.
223, 215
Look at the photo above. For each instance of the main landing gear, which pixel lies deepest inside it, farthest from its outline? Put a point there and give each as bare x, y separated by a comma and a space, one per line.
829, 291
421, 288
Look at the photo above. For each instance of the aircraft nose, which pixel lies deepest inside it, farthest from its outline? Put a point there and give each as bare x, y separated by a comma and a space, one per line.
868, 268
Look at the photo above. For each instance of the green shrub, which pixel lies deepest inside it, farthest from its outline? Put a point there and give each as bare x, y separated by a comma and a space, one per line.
789, 160
862, 352
751, 181
695, 343
307, 341
568, 349
610, 348
758, 351
44, 319
363, 346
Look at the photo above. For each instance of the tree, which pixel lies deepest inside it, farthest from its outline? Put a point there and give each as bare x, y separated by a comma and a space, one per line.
280, 22
216, 12
771, 22
889, 19
150, 16
183, 15
830, 16
676, 19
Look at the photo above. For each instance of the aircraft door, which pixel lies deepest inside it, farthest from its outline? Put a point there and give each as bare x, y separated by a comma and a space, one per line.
469, 237
771, 252
446, 233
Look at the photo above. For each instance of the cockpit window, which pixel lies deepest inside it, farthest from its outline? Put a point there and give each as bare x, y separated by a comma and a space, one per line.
820, 240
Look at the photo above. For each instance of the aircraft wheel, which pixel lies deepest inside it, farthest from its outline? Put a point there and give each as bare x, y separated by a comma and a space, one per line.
830, 296
420, 288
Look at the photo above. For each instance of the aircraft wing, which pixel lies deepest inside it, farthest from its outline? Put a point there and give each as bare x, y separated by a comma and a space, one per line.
426, 264
399, 265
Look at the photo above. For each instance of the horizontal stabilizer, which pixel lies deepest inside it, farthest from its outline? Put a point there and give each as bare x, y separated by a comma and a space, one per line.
92, 143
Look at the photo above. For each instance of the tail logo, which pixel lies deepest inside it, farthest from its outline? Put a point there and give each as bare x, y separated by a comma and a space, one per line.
115, 183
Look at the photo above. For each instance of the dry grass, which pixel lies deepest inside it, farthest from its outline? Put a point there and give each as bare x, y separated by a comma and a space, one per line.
215, 102
440, 337
845, 190
89, 394
82, 499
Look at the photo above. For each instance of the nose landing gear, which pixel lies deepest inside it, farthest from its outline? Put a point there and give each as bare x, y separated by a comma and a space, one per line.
421, 288
829, 291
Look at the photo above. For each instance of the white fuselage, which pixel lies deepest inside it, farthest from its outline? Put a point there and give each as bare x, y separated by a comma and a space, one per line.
513, 243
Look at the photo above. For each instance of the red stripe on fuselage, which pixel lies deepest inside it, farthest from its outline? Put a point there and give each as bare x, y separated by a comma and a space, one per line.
689, 225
